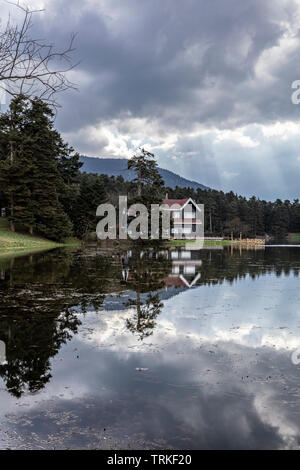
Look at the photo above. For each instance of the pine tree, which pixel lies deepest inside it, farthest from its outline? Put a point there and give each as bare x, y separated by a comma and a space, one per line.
280, 219
91, 194
37, 170
68, 166
42, 147
295, 217
15, 169
148, 180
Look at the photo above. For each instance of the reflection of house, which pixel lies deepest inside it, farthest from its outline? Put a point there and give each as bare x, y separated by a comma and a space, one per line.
185, 216
185, 268
2, 353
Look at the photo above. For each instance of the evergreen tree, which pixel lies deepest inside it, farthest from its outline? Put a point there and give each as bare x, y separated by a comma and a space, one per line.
37, 170
42, 147
14, 167
148, 180
295, 217
91, 194
280, 219
68, 166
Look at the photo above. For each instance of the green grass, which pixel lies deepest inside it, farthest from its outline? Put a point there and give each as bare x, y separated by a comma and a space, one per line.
206, 242
72, 242
220, 242
294, 237
16, 242
9, 241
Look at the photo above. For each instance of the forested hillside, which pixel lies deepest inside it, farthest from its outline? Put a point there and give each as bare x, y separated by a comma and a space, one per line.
44, 192
224, 212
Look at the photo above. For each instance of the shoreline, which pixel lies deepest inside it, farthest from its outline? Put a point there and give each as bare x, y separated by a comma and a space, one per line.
16, 243
20, 250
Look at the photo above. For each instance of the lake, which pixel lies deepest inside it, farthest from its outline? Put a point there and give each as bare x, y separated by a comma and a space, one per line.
150, 349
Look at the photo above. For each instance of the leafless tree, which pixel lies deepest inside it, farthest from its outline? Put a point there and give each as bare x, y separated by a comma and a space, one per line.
30, 66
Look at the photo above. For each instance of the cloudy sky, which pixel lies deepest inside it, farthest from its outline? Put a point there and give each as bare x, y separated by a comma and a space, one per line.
205, 84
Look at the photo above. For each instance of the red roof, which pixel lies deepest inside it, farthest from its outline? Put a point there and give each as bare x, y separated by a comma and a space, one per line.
174, 281
171, 202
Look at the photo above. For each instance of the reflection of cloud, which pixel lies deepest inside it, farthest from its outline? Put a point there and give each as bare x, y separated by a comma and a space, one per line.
110, 332
200, 381
221, 380
218, 360
273, 415
263, 324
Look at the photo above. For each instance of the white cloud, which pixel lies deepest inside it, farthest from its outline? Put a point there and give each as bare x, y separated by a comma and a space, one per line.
212, 90
237, 136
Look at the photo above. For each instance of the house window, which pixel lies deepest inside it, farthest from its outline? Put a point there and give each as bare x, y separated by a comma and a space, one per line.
174, 255
186, 255
189, 212
189, 270
188, 215
176, 215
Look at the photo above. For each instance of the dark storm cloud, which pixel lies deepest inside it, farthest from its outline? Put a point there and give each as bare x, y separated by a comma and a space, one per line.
178, 61
219, 64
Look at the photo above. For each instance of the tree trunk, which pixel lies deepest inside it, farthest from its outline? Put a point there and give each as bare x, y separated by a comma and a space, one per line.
138, 309
11, 276
11, 157
140, 181
12, 207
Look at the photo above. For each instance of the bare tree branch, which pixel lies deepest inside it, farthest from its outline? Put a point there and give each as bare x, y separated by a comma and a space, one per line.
30, 66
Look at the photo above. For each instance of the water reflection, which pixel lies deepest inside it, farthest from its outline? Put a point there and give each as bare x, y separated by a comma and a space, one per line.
195, 339
144, 275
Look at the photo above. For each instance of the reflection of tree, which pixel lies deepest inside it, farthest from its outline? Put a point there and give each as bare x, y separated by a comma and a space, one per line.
30, 343
39, 297
236, 263
143, 321
146, 272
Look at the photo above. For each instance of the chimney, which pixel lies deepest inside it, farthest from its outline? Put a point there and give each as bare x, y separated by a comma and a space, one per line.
167, 196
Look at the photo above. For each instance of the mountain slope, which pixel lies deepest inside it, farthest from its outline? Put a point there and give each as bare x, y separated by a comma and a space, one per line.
118, 167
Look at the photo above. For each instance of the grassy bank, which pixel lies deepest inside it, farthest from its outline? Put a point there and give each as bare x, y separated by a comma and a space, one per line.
17, 242
294, 237
206, 242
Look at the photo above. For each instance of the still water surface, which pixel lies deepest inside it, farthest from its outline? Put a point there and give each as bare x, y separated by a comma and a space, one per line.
159, 349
